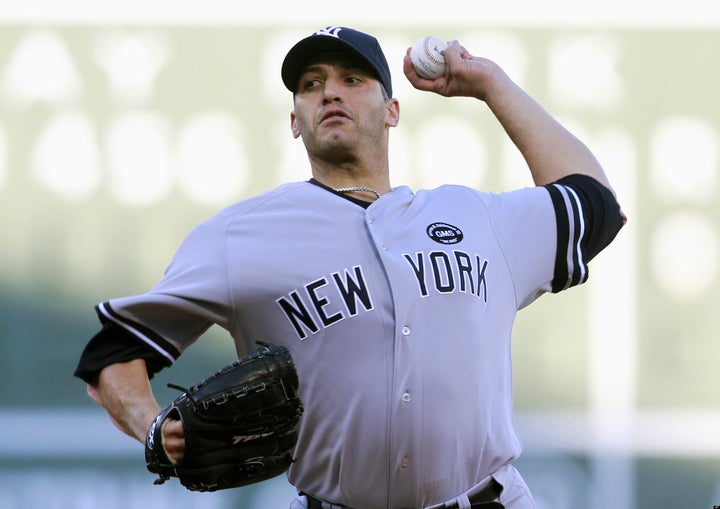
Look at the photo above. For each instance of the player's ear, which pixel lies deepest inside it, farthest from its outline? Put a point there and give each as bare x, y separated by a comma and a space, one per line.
294, 125
392, 116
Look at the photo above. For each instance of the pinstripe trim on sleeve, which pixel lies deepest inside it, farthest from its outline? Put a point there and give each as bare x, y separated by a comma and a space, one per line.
570, 265
152, 339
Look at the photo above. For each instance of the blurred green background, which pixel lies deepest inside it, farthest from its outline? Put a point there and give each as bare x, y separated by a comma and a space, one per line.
116, 138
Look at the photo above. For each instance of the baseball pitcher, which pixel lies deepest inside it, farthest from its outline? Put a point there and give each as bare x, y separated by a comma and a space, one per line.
390, 310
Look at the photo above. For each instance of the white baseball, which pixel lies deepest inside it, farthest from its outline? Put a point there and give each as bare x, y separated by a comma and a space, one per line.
428, 57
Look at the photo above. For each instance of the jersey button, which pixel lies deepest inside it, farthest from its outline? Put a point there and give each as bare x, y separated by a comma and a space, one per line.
404, 462
406, 397
406, 331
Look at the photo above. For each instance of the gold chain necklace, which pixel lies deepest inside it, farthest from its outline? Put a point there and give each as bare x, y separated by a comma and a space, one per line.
357, 188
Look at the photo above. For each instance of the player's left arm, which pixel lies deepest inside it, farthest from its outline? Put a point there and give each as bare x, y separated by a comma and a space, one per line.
550, 150
588, 218
549, 234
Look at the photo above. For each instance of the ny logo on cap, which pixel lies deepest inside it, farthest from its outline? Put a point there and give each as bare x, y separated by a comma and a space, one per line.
331, 31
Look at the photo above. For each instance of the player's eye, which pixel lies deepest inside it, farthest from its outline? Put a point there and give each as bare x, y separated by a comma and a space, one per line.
354, 78
309, 83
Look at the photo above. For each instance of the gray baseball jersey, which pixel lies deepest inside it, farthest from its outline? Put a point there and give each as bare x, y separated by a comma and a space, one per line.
398, 315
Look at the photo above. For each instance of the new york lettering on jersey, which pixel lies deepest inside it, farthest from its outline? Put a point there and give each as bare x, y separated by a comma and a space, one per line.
449, 272
332, 298
327, 300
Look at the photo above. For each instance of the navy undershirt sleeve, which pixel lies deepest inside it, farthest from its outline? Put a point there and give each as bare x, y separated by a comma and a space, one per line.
113, 344
592, 218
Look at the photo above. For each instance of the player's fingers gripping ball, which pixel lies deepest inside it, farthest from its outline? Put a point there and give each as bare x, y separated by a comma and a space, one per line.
428, 57
239, 424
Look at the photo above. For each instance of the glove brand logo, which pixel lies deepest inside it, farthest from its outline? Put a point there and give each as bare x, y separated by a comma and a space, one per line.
445, 233
241, 439
151, 432
331, 31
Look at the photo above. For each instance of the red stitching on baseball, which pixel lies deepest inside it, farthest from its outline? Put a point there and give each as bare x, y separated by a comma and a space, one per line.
431, 54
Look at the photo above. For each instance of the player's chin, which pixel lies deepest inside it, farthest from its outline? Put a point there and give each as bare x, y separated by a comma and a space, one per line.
337, 149
334, 134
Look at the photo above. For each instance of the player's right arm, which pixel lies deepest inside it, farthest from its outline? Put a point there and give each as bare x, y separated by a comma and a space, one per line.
123, 390
144, 334
117, 367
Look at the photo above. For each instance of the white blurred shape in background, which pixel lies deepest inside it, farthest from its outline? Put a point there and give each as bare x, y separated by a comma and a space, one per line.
583, 72
132, 63
139, 159
685, 160
65, 157
41, 69
212, 167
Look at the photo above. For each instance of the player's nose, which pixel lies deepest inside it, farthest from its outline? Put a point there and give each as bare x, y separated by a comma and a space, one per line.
332, 90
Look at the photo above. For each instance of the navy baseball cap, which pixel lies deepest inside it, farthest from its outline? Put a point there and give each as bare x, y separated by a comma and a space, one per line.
359, 44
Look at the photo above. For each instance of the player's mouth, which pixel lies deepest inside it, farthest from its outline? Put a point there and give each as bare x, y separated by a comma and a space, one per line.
334, 115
